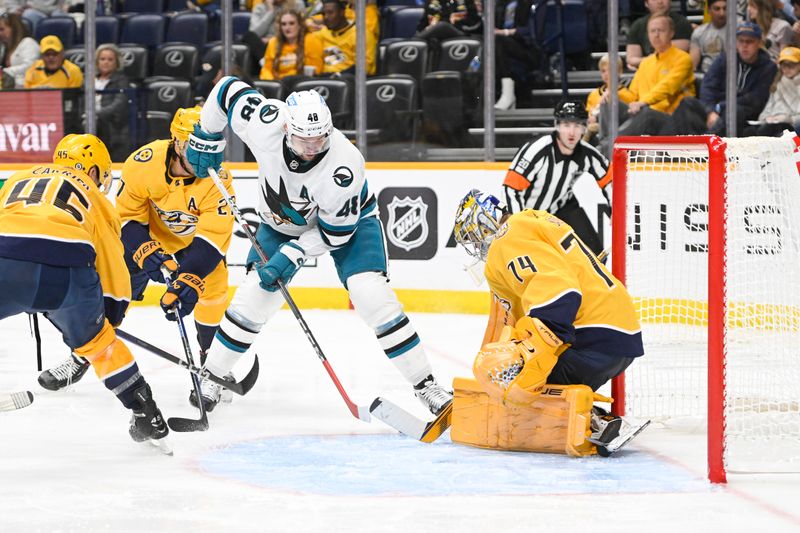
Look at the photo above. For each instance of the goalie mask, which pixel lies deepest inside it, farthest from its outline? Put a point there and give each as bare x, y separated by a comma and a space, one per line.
82, 152
477, 221
308, 124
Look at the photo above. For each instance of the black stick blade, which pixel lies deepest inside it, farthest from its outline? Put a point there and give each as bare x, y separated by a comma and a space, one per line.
185, 425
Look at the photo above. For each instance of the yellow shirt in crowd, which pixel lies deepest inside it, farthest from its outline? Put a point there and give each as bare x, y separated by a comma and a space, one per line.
69, 76
662, 80
287, 64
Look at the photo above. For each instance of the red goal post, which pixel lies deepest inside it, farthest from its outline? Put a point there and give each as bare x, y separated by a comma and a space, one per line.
692, 279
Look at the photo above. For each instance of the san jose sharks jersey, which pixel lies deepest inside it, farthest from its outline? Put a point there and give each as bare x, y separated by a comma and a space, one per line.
55, 215
318, 201
537, 266
176, 210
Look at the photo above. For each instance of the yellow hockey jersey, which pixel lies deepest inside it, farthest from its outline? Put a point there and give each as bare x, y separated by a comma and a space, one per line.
55, 215
537, 266
339, 49
176, 210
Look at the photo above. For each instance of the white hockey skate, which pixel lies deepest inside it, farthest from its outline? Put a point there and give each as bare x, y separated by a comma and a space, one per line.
212, 393
433, 395
612, 433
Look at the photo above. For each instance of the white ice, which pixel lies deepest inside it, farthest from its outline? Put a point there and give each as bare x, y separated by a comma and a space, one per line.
290, 457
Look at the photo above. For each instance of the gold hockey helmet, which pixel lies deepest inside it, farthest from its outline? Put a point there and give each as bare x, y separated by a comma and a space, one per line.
183, 122
82, 152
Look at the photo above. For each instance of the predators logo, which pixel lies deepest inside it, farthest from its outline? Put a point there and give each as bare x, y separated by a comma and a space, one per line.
178, 222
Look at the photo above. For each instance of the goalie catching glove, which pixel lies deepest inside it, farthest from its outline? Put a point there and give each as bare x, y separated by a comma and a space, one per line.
514, 370
184, 292
205, 150
151, 258
283, 265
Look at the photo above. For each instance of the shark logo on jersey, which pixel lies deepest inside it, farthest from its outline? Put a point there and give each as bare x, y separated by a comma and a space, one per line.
408, 227
343, 176
177, 222
283, 210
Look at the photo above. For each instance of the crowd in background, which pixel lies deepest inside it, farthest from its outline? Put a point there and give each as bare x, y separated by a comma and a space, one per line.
672, 76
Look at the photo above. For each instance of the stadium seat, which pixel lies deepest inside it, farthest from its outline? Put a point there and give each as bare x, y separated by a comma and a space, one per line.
76, 55
143, 6
164, 97
144, 30
443, 108
544, 26
176, 60
241, 55
456, 54
270, 88
241, 23
134, 61
391, 100
337, 95
62, 27
106, 30
188, 28
406, 57
176, 6
403, 22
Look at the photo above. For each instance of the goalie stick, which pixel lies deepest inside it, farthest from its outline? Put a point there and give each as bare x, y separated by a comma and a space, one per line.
384, 410
15, 400
239, 387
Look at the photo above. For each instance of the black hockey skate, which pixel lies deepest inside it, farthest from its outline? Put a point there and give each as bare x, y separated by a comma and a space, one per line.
69, 371
435, 397
611, 433
146, 420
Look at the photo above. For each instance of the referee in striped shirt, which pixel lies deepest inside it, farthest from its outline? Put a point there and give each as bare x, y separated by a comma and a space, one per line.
543, 172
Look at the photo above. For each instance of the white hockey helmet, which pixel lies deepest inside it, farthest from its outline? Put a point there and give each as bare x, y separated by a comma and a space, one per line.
308, 123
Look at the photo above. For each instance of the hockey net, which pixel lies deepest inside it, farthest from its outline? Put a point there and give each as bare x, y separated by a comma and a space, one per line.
706, 236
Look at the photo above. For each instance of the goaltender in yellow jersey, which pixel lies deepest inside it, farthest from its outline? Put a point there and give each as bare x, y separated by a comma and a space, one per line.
170, 220
559, 318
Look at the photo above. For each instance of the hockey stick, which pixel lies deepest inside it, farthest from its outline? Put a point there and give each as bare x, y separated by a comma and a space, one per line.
357, 411
187, 424
15, 400
241, 387
383, 409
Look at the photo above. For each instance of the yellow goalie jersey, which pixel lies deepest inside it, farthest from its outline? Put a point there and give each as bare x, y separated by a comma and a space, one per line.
55, 215
176, 210
537, 266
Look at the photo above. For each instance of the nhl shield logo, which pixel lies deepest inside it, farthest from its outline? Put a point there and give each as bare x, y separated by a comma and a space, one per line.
407, 226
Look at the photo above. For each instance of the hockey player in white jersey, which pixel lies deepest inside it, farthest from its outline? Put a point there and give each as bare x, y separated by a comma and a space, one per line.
314, 200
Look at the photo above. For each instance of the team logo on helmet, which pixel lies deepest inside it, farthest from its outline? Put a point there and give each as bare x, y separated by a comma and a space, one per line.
407, 225
178, 222
343, 176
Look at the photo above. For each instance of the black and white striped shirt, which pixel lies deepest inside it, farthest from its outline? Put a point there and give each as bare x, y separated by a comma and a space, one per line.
541, 177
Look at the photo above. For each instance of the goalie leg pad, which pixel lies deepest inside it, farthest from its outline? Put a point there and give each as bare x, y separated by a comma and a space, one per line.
557, 421
377, 304
249, 310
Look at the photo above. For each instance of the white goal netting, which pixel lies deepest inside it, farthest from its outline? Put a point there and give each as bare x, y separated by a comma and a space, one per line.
667, 274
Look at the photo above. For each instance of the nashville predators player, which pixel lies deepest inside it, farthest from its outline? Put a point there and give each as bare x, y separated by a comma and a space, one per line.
558, 315
172, 220
61, 255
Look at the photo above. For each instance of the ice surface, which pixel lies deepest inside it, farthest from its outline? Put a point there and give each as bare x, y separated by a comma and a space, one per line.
289, 456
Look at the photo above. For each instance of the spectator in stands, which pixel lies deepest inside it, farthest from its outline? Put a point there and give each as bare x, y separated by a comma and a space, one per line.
339, 40
663, 79
293, 51
782, 111
19, 51
444, 19
52, 71
263, 25
33, 10
638, 42
755, 75
111, 108
513, 43
708, 40
776, 31
595, 97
